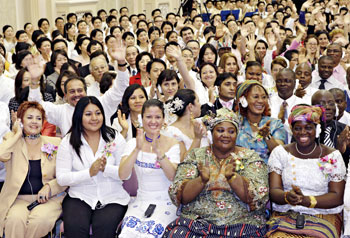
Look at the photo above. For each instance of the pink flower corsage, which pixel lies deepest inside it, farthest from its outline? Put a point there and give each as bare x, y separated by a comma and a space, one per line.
50, 150
109, 149
327, 165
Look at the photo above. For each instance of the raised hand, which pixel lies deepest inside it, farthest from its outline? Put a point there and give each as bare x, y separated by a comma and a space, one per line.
139, 138
230, 169
174, 51
95, 167
122, 121
103, 162
204, 171
251, 42
211, 92
343, 140
300, 92
265, 129
118, 52
16, 123
271, 39
199, 129
35, 71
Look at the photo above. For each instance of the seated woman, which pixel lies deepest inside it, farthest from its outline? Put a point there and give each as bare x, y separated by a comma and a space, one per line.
221, 189
154, 157
30, 161
129, 111
87, 162
307, 178
257, 130
22, 81
189, 132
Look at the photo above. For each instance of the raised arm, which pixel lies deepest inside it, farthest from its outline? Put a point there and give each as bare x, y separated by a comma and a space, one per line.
112, 98
175, 51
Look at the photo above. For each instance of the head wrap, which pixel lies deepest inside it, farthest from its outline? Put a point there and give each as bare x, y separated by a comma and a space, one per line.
313, 114
222, 115
241, 88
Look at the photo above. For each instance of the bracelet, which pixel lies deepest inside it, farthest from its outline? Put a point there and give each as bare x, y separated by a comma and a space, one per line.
285, 198
161, 158
268, 137
122, 65
234, 176
313, 201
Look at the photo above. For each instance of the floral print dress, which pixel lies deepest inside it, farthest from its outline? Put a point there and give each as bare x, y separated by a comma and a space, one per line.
246, 138
217, 203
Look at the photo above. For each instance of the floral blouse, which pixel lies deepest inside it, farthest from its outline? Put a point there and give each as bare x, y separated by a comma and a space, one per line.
246, 138
217, 203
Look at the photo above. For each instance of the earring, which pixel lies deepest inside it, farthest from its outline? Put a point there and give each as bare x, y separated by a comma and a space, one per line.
243, 101
191, 116
318, 130
336, 111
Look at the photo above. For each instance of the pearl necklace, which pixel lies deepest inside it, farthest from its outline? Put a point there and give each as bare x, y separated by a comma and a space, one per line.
296, 147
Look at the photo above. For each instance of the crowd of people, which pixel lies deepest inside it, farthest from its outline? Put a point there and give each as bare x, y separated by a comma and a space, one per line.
230, 120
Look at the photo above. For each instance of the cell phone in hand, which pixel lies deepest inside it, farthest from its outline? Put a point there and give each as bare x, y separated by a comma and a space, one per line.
150, 210
32, 205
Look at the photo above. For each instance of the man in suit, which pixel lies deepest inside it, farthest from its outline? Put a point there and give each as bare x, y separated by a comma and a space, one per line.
334, 134
226, 84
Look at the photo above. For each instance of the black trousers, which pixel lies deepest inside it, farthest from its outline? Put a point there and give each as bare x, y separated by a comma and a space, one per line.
78, 216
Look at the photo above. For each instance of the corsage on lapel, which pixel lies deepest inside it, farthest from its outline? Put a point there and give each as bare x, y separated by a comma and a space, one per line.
50, 150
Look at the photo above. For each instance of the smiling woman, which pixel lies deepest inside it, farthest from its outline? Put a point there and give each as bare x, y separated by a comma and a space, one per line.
220, 188
258, 131
320, 199
154, 158
30, 176
88, 163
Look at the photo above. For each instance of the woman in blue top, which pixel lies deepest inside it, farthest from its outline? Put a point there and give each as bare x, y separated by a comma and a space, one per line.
258, 131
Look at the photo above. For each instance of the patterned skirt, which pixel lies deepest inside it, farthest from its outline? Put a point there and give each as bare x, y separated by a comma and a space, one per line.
183, 227
282, 224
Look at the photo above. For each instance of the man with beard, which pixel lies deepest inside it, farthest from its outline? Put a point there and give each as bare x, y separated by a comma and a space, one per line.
334, 134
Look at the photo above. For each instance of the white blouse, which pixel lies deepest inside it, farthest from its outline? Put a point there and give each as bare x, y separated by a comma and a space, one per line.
306, 174
72, 171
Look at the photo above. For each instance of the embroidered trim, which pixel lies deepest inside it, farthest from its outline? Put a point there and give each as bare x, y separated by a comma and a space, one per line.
147, 165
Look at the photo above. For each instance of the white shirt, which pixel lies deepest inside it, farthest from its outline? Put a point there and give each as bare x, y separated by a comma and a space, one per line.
94, 89
105, 187
309, 91
275, 105
329, 84
7, 90
345, 118
61, 115
4, 128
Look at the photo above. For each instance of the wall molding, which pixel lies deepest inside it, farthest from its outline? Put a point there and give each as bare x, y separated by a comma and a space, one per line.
75, 2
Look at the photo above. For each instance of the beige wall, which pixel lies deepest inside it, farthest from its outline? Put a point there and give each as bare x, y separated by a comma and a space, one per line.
18, 12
